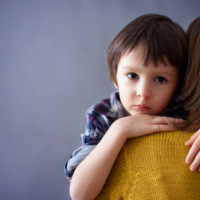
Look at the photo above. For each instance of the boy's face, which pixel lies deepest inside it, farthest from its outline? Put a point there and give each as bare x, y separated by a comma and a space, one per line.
145, 89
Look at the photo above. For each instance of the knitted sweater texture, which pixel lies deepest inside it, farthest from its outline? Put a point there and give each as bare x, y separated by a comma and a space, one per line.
153, 168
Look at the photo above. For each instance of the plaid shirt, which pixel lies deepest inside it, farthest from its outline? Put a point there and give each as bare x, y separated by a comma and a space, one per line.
99, 119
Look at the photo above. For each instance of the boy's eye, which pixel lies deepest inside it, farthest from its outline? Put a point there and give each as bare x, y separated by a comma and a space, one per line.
132, 76
160, 79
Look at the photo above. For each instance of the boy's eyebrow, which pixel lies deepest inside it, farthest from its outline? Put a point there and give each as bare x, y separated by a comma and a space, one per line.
166, 73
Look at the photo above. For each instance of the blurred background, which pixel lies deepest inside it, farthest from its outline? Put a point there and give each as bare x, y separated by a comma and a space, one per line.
52, 68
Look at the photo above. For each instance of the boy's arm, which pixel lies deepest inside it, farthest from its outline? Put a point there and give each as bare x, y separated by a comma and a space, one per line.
96, 126
75, 159
91, 174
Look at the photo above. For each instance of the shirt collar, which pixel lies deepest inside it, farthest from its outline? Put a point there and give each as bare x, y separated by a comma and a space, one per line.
116, 105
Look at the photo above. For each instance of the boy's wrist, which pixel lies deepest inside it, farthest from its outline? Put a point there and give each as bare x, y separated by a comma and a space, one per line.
119, 129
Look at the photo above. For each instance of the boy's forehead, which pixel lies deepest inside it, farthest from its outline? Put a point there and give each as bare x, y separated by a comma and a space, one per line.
138, 53
136, 58
141, 54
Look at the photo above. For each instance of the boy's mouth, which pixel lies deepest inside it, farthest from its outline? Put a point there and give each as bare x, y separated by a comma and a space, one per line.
141, 107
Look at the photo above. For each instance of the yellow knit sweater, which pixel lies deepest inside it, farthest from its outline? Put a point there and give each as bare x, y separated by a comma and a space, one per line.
153, 168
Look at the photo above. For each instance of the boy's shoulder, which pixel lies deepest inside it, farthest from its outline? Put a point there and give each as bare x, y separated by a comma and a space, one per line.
102, 106
109, 107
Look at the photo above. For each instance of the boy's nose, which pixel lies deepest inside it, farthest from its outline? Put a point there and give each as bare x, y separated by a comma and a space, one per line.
143, 90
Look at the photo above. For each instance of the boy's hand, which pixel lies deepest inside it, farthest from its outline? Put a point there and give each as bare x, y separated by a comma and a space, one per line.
193, 157
142, 124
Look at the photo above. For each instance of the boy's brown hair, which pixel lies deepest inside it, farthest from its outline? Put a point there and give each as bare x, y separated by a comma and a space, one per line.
190, 93
162, 39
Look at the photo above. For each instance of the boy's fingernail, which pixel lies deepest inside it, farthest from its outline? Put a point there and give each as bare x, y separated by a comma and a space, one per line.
180, 120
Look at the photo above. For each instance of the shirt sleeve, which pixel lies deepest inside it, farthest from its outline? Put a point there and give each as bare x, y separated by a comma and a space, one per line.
77, 156
96, 126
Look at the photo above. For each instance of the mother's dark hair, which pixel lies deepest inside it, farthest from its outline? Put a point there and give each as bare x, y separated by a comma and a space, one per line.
190, 94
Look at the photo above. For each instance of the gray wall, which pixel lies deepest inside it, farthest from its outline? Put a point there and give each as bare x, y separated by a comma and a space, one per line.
52, 68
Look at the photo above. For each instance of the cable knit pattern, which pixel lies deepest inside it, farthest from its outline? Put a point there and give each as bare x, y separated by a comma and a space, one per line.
153, 168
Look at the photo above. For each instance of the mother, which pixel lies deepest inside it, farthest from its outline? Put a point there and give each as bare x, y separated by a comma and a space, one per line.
154, 166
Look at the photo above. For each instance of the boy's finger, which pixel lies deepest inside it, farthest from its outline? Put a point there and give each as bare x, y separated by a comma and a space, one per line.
167, 120
162, 127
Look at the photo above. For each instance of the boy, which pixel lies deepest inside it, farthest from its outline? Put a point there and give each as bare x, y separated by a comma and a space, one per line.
147, 63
